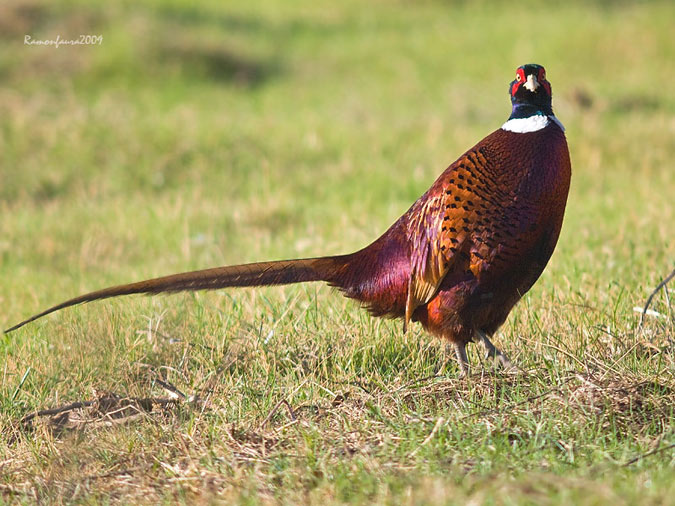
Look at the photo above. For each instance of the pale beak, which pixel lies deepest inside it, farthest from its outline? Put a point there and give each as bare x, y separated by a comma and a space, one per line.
531, 84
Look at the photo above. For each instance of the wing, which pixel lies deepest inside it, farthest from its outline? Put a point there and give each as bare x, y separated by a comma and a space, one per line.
471, 223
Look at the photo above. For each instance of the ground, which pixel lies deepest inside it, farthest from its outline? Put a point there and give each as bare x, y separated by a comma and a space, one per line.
203, 134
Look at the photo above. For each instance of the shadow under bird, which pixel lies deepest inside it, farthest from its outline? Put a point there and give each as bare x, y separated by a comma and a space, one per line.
461, 257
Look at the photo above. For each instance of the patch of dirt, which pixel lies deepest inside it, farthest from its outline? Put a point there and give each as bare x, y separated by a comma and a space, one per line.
106, 410
627, 405
19, 18
214, 60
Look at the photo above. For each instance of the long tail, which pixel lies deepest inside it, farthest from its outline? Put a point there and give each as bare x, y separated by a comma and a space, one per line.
281, 272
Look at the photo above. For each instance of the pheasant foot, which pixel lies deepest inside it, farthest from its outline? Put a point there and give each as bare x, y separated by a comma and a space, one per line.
493, 352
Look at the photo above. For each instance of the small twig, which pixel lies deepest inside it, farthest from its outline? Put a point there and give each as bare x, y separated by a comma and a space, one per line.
56, 411
354, 383
290, 410
510, 407
208, 384
417, 382
433, 432
129, 471
133, 403
648, 454
567, 354
172, 390
649, 312
651, 296
630, 350
670, 307
23, 380
284, 402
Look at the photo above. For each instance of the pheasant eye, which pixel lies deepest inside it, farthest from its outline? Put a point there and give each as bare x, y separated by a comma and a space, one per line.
518, 77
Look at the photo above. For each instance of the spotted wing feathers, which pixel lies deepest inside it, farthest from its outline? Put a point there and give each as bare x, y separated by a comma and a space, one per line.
456, 227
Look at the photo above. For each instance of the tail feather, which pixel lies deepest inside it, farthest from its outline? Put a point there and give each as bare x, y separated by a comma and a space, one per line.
280, 272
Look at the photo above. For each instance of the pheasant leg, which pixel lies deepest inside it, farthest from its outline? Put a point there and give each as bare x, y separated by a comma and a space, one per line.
460, 352
492, 352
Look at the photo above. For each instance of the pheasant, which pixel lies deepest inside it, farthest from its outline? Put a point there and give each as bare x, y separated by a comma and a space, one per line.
463, 254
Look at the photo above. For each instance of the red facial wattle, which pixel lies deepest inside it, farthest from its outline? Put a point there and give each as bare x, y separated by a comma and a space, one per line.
519, 73
542, 80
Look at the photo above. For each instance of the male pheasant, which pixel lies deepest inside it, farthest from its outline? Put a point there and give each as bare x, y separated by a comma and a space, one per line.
465, 252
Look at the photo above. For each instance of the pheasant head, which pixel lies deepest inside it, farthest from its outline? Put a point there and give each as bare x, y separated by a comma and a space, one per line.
530, 92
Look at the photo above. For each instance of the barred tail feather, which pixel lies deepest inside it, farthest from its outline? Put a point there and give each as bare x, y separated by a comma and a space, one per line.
280, 272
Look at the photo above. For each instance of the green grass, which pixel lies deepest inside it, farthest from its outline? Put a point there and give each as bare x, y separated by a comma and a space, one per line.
210, 134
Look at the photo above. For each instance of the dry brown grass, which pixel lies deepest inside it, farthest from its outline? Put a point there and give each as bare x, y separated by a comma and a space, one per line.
74, 437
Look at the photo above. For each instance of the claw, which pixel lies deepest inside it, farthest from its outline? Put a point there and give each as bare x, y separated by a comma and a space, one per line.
492, 352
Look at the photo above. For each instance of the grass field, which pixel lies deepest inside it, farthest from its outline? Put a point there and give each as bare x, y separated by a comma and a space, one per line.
218, 133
